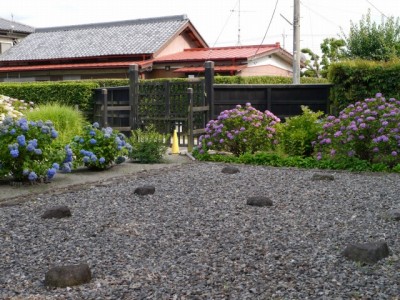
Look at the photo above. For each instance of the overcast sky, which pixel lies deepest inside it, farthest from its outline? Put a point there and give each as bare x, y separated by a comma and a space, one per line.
216, 20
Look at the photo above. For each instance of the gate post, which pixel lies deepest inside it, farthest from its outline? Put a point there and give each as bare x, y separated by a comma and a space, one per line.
209, 86
190, 120
104, 92
133, 95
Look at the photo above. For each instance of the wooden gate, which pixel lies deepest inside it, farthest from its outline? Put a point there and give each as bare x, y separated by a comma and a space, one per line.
165, 106
161, 104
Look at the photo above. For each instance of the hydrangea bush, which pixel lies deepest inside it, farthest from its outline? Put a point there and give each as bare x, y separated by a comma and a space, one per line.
368, 130
99, 148
240, 130
13, 108
25, 150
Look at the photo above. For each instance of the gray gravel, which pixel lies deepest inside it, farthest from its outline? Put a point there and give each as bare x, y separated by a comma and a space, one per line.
196, 238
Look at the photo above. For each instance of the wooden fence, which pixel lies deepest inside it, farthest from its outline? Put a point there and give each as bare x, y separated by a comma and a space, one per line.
166, 104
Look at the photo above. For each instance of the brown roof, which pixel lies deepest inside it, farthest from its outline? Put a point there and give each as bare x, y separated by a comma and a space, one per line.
219, 53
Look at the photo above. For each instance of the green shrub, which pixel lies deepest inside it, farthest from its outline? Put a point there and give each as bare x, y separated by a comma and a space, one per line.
25, 150
368, 130
98, 148
359, 79
298, 132
148, 146
66, 120
240, 130
64, 92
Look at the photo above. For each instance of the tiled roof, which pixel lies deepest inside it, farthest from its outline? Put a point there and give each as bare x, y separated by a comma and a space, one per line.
15, 26
142, 36
220, 53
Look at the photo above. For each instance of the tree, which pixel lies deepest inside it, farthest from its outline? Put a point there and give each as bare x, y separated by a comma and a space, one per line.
371, 41
311, 63
332, 50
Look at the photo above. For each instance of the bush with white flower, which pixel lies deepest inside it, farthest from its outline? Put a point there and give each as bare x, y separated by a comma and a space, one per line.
12, 108
25, 150
98, 148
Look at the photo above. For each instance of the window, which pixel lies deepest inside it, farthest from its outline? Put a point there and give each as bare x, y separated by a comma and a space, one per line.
4, 47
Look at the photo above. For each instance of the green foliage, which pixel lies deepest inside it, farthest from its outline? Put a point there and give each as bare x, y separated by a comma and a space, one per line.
98, 148
358, 79
272, 159
368, 130
148, 146
265, 80
67, 121
298, 132
240, 130
25, 150
312, 64
64, 92
370, 41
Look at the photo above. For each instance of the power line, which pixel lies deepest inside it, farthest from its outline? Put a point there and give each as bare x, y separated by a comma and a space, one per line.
269, 25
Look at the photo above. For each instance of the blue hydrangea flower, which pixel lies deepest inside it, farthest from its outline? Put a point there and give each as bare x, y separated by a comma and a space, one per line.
30, 148
92, 141
14, 153
21, 140
96, 125
67, 166
54, 134
102, 160
38, 151
56, 166
93, 158
45, 129
92, 133
86, 159
12, 131
32, 176
51, 172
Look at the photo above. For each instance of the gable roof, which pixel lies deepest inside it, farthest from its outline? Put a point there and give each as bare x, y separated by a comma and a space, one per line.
134, 37
221, 53
7, 25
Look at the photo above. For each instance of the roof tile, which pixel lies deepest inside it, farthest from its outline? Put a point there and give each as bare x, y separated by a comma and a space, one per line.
143, 36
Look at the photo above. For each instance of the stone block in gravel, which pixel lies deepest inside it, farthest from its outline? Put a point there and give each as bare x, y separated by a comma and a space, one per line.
259, 201
394, 214
368, 253
145, 190
326, 177
230, 170
70, 275
58, 212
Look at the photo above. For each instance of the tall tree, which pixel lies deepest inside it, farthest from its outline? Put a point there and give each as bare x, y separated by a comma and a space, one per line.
372, 41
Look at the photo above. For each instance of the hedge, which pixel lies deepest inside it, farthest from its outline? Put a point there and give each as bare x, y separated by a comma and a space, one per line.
359, 79
63, 92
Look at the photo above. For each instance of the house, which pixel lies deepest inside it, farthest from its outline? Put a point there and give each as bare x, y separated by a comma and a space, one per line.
162, 47
11, 33
236, 60
102, 50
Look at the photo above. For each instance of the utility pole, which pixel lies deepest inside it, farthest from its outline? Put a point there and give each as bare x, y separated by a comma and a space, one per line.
296, 42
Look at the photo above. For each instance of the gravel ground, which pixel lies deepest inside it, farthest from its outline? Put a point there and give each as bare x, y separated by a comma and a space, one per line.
196, 238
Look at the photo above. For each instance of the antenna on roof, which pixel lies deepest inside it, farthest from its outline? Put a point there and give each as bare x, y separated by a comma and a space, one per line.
12, 23
239, 11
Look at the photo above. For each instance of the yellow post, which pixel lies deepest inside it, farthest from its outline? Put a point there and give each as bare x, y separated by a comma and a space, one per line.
175, 143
